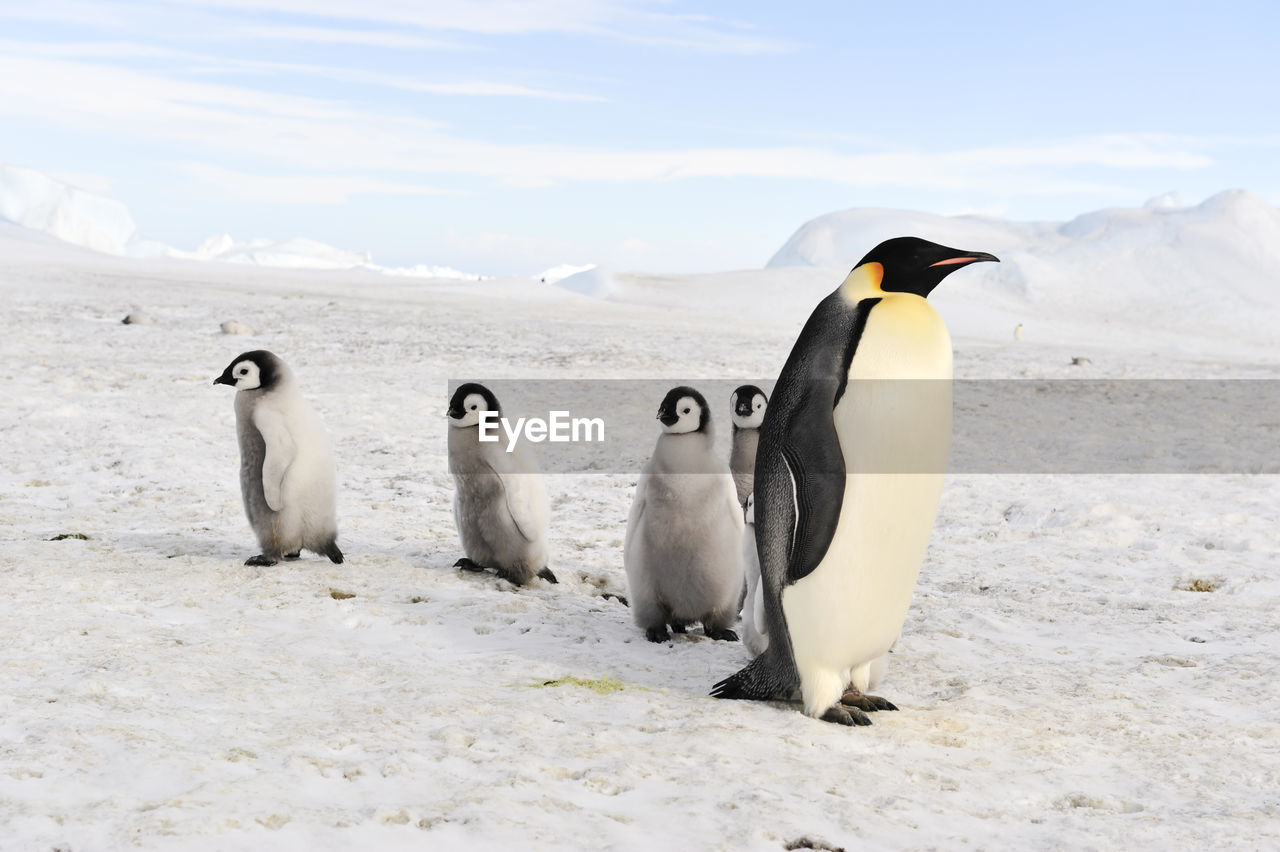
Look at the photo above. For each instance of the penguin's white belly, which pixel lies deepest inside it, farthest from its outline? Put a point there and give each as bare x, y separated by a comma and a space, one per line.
850, 609
894, 426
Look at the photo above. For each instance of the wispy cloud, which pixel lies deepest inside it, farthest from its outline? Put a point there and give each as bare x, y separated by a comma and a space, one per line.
631, 20
344, 35
234, 185
208, 65
297, 132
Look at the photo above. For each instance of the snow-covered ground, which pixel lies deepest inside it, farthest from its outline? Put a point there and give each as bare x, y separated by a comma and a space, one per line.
1061, 683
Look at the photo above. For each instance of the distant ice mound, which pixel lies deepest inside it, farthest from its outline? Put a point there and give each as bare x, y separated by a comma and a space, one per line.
593, 281
1219, 257
292, 254
841, 239
37, 201
562, 271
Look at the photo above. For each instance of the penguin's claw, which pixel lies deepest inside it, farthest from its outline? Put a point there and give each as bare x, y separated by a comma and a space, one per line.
862, 701
546, 574
842, 715
657, 634
261, 560
467, 565
724, 634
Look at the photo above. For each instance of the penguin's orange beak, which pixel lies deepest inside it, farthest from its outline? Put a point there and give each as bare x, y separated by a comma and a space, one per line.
972, 257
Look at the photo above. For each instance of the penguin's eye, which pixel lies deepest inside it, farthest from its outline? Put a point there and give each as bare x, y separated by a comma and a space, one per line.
686, 411
244, 371
474, 406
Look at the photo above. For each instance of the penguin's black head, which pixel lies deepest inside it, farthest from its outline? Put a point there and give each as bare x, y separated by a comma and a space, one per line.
684, 410
749, 403
913, 265
469, 402
254, 370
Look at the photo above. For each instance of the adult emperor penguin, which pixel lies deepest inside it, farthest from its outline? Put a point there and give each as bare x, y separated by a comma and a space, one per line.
748, 406
849, 470
286, 467
684, 533
499, 502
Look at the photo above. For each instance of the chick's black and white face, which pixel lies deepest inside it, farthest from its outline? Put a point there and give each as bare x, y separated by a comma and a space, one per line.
469, 403
681, 413
469, 412
253, 370
246, 375
748, 409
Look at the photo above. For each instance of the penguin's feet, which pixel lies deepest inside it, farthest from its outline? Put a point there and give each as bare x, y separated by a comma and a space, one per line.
842, 715
723, 634
261, 560
861, 701
289, 557
468, 565
657, 634
680, 627
334, 554
546, 574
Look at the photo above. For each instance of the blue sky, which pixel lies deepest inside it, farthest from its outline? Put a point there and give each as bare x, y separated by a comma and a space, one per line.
506, 137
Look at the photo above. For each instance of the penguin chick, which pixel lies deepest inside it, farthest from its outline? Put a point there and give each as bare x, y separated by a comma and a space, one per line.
684, 532
749, 404
499, 501
286, 467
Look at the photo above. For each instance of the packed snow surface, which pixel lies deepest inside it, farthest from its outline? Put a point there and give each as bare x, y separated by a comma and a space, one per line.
1089, 662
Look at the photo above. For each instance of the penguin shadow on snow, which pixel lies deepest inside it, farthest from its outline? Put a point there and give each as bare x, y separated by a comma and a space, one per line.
175, 545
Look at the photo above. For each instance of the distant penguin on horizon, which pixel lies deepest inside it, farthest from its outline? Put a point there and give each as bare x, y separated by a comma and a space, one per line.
500, 504
747, 407
287, 478
849, 472
682, 551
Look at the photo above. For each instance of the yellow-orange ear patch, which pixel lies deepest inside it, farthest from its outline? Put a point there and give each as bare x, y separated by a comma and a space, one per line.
875, 274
